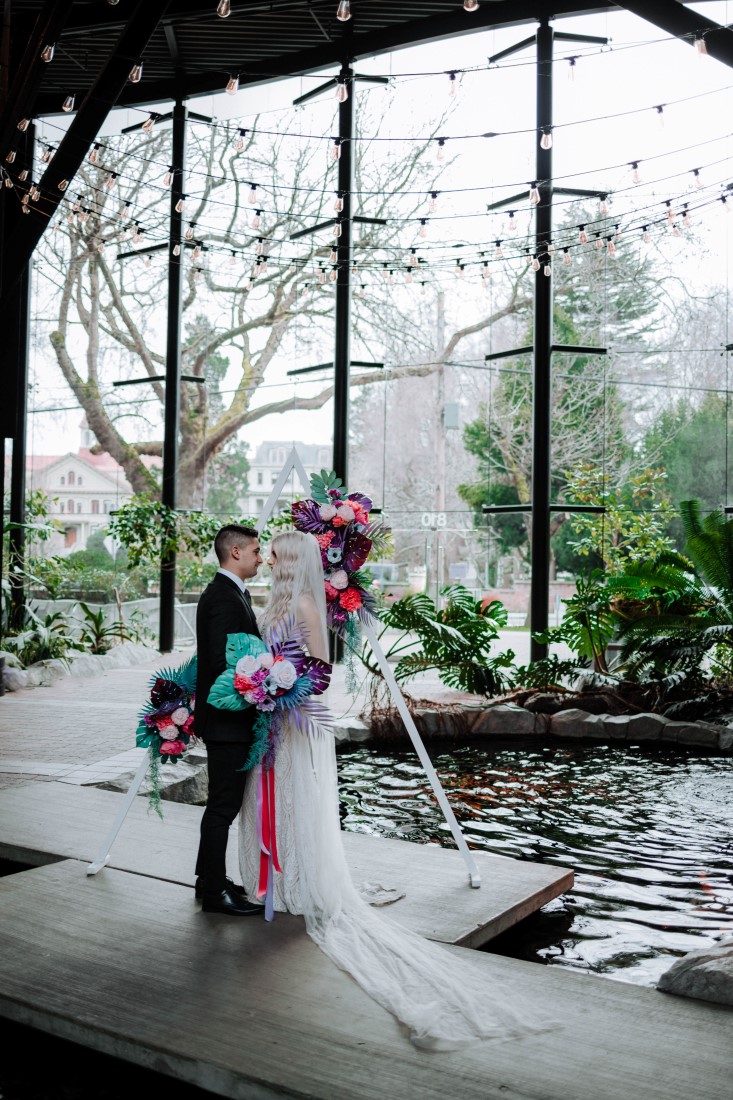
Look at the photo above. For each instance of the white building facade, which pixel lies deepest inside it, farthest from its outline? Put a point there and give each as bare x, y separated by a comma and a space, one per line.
267, 464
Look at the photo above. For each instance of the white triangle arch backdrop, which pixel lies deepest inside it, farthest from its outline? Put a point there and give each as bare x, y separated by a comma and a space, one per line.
294, 465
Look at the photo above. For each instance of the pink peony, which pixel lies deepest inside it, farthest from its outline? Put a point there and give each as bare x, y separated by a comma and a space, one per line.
351, 599
326, 512
324, 541
331, 592
339, 579
179, 716
345, 512
172, 748
242, 684
266, 660
187, 726
360, 513
166, 729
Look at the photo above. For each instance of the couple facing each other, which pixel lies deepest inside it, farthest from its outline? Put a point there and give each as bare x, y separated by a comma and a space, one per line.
440, 996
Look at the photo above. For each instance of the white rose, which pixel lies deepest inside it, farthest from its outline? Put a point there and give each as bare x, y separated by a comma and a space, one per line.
345, 512
284, 674
179, 716
265, 660
246, 666
326, 512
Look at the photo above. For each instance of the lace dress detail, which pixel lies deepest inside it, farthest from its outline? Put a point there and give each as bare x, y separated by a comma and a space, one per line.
436, 992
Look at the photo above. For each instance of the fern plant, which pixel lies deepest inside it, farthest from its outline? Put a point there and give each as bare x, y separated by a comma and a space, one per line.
456, 641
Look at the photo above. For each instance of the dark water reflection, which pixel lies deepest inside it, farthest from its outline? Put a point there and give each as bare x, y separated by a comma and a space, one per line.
647, 831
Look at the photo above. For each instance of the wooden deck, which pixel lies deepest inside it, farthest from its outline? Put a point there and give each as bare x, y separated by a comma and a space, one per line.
129, 965
44, 822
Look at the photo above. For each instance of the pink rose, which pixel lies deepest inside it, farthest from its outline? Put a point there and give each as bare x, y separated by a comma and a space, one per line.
172, 748
345, 512
339, 580
166, 729
331, 592
187, 726
242, 684
179, 716
326, 512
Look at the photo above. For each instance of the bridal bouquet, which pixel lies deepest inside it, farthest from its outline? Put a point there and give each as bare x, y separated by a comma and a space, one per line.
278, 678
347, 536
165, 724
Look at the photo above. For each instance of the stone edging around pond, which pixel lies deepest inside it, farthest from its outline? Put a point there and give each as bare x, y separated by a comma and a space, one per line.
46, 673
511, 720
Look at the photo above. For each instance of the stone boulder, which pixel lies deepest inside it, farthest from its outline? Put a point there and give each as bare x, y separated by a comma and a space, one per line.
546, 702
645, 727
579, 724
706, 975
187, 781
509, 719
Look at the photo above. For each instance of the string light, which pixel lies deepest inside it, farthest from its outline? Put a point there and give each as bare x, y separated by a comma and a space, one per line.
603, 206
547, 270
332, 275
190, 230
566, 259
635, 173
342, 91
259, 247
137, 236
94, 153
546, 139
498, 251
9, 183
337, 229
68, 104
701, 45
252, 196
339, 203
168, 177
670, 212
47, 52
336, 149
535, 263
149, 122
433, 204
409, 278
686, 217
598, 241
181, 204
256, 219
125, 211
611, 247
111, 180
136, 73
414, 261
660, 113
196, 254
451, 84
232, 85
697, 178
423, 230
582, 235
176, 249
148, 262
197, 275
343, 12
76, 205
239, 141
35, 193
47, 154
224, 9
572, 62
23, 175
534, 194
645, 235
470, 5
10, 156
676, 232
333, 255
440, 154
62, 185
24, 124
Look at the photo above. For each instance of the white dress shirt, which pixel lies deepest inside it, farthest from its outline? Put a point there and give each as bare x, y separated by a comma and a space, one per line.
233, 577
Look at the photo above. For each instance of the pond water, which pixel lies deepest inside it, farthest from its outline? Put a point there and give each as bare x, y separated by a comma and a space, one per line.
648, 832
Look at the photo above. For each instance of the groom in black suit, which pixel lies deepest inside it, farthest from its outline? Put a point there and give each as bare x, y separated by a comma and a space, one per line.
224, 608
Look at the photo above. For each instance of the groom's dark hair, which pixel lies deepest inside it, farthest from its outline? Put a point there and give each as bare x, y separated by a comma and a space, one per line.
230, 536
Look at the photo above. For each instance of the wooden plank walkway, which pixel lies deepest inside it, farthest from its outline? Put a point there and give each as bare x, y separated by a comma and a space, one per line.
44, 822
129, 965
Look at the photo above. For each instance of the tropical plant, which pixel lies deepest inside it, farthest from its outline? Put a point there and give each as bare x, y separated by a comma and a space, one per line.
589, 622
455, 640
98, 635
43, 639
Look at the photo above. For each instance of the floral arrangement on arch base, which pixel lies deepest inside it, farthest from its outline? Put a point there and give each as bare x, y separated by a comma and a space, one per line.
165, 724
346, 536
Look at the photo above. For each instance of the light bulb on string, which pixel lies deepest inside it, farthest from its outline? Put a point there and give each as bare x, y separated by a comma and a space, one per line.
686, 217
232, 85
25, 200
197, 275
333, 255
440, 154
670, 211
111, 180
616, 232
47, 52
76, 205
342, 91
498, 251
603, 206
362, 291
136, 73
527, 256
611, 247
322, 277
259, 247
125, 211
535, 263
343, 11
93, 157
68, 104
433, 204
645, 235
423, 230
8, 182
598, 241
337, 229
168, 177
47, 154
701, 45
263, 265
470, 5
35, 193
180, 205
409, 277
62, 185
697, 178
336, 149
248, 285
635, 173
176, 249
547, 270
451, 84
391, 279
196, 254
99, 245
239, 141
252, 196
414, 261
338, 204
23, 124
660, 113
224, 9
546, 139
256, 220
71, 218
333, 275
10, 156
550, 249
534, 194
572, 63
485, 273
149, 122
137, 235
512, 223
566, 259
190, 230
23, 175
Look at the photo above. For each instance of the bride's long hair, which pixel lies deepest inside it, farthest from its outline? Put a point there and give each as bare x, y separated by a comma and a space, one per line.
298, 571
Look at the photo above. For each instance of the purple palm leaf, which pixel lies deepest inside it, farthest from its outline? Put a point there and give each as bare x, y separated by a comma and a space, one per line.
365, 502
312, 718
318, 672
306, 517
286, 639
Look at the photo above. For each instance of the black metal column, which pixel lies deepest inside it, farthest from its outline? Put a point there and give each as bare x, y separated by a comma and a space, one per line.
542, 389
17, 318
172, 375
344, 250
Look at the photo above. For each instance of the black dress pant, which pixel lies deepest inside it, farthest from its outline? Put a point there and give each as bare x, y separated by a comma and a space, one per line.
226, 790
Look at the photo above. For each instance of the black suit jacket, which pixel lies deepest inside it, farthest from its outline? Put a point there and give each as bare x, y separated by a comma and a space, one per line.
222, 610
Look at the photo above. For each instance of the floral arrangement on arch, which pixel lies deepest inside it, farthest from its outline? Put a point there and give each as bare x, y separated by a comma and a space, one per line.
165, 724
347, 536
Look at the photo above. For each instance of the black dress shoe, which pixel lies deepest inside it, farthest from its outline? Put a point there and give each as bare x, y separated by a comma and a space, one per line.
231, 887
234, 905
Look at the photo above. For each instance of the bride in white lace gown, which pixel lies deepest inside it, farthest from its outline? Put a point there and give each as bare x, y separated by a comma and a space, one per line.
438, 994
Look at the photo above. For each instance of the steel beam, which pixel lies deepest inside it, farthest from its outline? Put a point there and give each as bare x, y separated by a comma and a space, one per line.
676, 19
101, 98
172, 376
344, 251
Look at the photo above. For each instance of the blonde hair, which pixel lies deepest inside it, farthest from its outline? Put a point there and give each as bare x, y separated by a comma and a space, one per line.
298, 571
